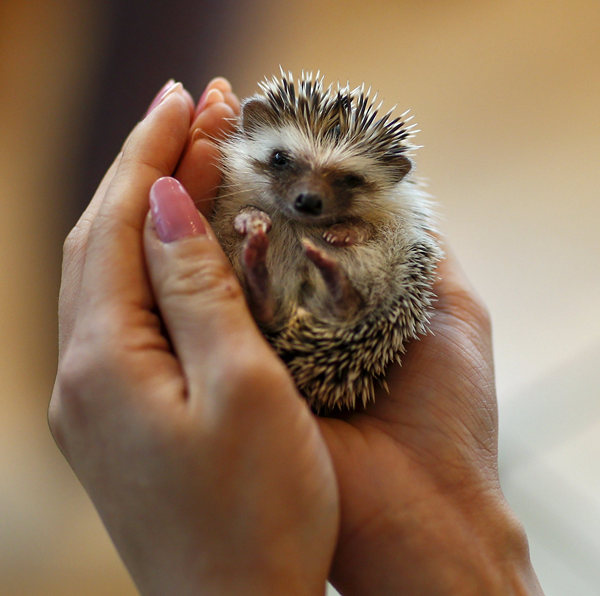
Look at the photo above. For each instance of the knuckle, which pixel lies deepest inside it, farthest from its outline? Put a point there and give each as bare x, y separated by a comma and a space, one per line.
210, 277
479, 311
86, 369
74, 242
84, 378
249, 377
467, 302
243, 372
68, 405
74, 374
484, 315
134, 158
55, 420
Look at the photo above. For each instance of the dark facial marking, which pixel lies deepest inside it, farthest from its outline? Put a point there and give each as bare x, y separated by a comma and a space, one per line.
280, 165
322, 192
353, 180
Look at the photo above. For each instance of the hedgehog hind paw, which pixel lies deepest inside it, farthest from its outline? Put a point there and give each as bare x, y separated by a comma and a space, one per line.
345, 299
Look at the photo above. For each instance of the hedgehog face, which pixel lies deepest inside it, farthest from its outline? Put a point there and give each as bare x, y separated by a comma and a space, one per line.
305, 180
315, 155
307, 177
306, 190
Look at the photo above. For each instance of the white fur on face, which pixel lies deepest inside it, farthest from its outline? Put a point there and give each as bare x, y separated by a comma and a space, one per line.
261, 145
243, 151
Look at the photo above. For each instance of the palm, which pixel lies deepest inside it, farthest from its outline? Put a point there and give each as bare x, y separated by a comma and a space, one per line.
429, 435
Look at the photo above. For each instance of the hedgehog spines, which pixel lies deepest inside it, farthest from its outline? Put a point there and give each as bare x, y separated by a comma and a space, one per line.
344, 115
329, 133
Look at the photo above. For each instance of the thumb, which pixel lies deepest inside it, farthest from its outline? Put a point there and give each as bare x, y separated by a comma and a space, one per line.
199, 297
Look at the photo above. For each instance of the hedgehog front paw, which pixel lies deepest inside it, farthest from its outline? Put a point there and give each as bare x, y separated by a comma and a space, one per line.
250, 220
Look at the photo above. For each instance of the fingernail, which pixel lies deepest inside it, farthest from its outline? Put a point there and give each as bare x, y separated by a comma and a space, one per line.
198, 134
209, 97
220, 83
201, 102
174, 214
160, 95
213, 96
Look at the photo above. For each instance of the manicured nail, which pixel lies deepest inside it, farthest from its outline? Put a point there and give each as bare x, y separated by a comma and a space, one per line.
173, 211
160, 95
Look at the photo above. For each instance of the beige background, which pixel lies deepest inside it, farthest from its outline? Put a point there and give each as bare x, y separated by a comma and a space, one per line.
507, 95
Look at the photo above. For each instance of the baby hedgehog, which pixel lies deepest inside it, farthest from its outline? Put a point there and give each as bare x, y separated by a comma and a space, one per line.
329, 236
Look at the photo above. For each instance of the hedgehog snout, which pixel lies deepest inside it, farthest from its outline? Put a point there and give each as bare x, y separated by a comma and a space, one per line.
309, 203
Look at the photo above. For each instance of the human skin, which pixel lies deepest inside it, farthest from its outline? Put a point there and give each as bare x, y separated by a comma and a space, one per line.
422, 508
205, 464
401, 498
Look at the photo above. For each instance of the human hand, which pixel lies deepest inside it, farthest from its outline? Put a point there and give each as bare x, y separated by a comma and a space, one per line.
204, 463
422, 509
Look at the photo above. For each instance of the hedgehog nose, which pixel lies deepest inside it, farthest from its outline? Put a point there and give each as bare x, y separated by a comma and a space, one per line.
309, 203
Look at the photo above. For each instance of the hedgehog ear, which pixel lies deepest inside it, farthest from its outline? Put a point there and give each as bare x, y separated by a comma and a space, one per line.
399, 166
256, 114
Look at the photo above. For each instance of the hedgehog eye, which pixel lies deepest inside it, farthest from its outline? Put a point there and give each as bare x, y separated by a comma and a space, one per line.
353, 180
280, 159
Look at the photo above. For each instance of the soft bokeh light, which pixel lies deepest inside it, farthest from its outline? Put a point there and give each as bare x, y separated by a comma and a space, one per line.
506, 95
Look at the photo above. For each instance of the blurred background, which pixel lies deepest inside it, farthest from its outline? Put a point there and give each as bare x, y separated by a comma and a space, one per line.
507, 95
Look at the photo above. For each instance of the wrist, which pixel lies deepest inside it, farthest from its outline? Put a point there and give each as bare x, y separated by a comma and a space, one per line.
280, 582
476, 548
230, 581
281, 571
499, 553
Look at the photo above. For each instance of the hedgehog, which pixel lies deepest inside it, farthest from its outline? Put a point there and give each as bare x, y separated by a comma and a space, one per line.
331, 236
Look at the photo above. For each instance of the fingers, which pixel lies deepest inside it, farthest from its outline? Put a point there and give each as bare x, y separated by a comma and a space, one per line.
74, 256
79, 233
199, 297
223, 86
456, 296
459, 349
75, 245
214, 118
199, 168
114, 273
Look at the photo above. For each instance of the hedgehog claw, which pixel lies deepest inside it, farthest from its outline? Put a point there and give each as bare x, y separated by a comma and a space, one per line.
251, 219
344, 234
346, 300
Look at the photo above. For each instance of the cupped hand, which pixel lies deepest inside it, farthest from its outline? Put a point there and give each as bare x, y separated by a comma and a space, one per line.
422, 509
206, 466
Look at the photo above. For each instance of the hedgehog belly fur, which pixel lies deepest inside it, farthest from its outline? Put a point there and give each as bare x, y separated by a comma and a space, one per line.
339, 368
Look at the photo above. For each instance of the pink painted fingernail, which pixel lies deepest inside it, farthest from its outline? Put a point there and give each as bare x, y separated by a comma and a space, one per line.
173, 211
158, 97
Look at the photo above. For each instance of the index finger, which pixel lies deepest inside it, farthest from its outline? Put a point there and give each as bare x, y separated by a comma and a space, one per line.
455, 294
114, 270
199, 169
